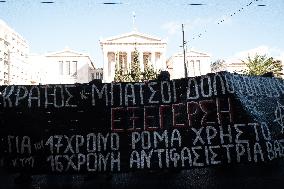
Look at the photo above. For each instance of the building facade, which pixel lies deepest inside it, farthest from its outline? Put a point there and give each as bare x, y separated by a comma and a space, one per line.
14, 51
67, 67
97, 73
197, 64
120, 50
235, 66
39, 69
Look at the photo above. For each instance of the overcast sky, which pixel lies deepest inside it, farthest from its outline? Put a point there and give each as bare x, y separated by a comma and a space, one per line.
222, 28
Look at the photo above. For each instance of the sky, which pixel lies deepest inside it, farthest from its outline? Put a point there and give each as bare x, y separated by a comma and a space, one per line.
223, 28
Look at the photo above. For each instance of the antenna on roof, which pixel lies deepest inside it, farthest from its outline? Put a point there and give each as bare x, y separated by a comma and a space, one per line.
133, 21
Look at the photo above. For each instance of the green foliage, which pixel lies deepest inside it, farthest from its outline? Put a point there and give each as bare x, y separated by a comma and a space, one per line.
135, 71
218, 66
149, 73
134, 74
260, 65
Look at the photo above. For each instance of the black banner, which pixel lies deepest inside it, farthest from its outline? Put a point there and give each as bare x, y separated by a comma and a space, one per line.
215, 119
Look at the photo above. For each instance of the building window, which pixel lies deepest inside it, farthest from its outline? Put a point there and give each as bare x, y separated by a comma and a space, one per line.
74, 68
194, 68
5, 75
60, 67
190, 68
197, 66
5, 56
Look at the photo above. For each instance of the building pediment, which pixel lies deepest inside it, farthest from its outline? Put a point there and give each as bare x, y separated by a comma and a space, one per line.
195, 53
132, 37
192, 54
65, 53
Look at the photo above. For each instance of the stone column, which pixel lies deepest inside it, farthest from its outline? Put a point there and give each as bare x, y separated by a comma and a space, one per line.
153, 61
162, 61
106, 68
128, 60
141, 60
64, 67
111, 59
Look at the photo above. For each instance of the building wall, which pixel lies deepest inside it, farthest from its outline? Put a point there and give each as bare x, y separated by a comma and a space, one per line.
197, 64
96, 74
68, 67
4, 61
236, 67
38, 68
14, 51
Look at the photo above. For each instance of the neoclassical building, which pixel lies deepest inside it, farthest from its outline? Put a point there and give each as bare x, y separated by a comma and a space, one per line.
67, 67
14, 51
235, 65
120, 50
197, 63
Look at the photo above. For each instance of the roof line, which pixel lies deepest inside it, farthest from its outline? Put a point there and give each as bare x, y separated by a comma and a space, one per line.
129, 34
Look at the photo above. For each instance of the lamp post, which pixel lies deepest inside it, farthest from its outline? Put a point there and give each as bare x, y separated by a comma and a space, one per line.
184, 62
